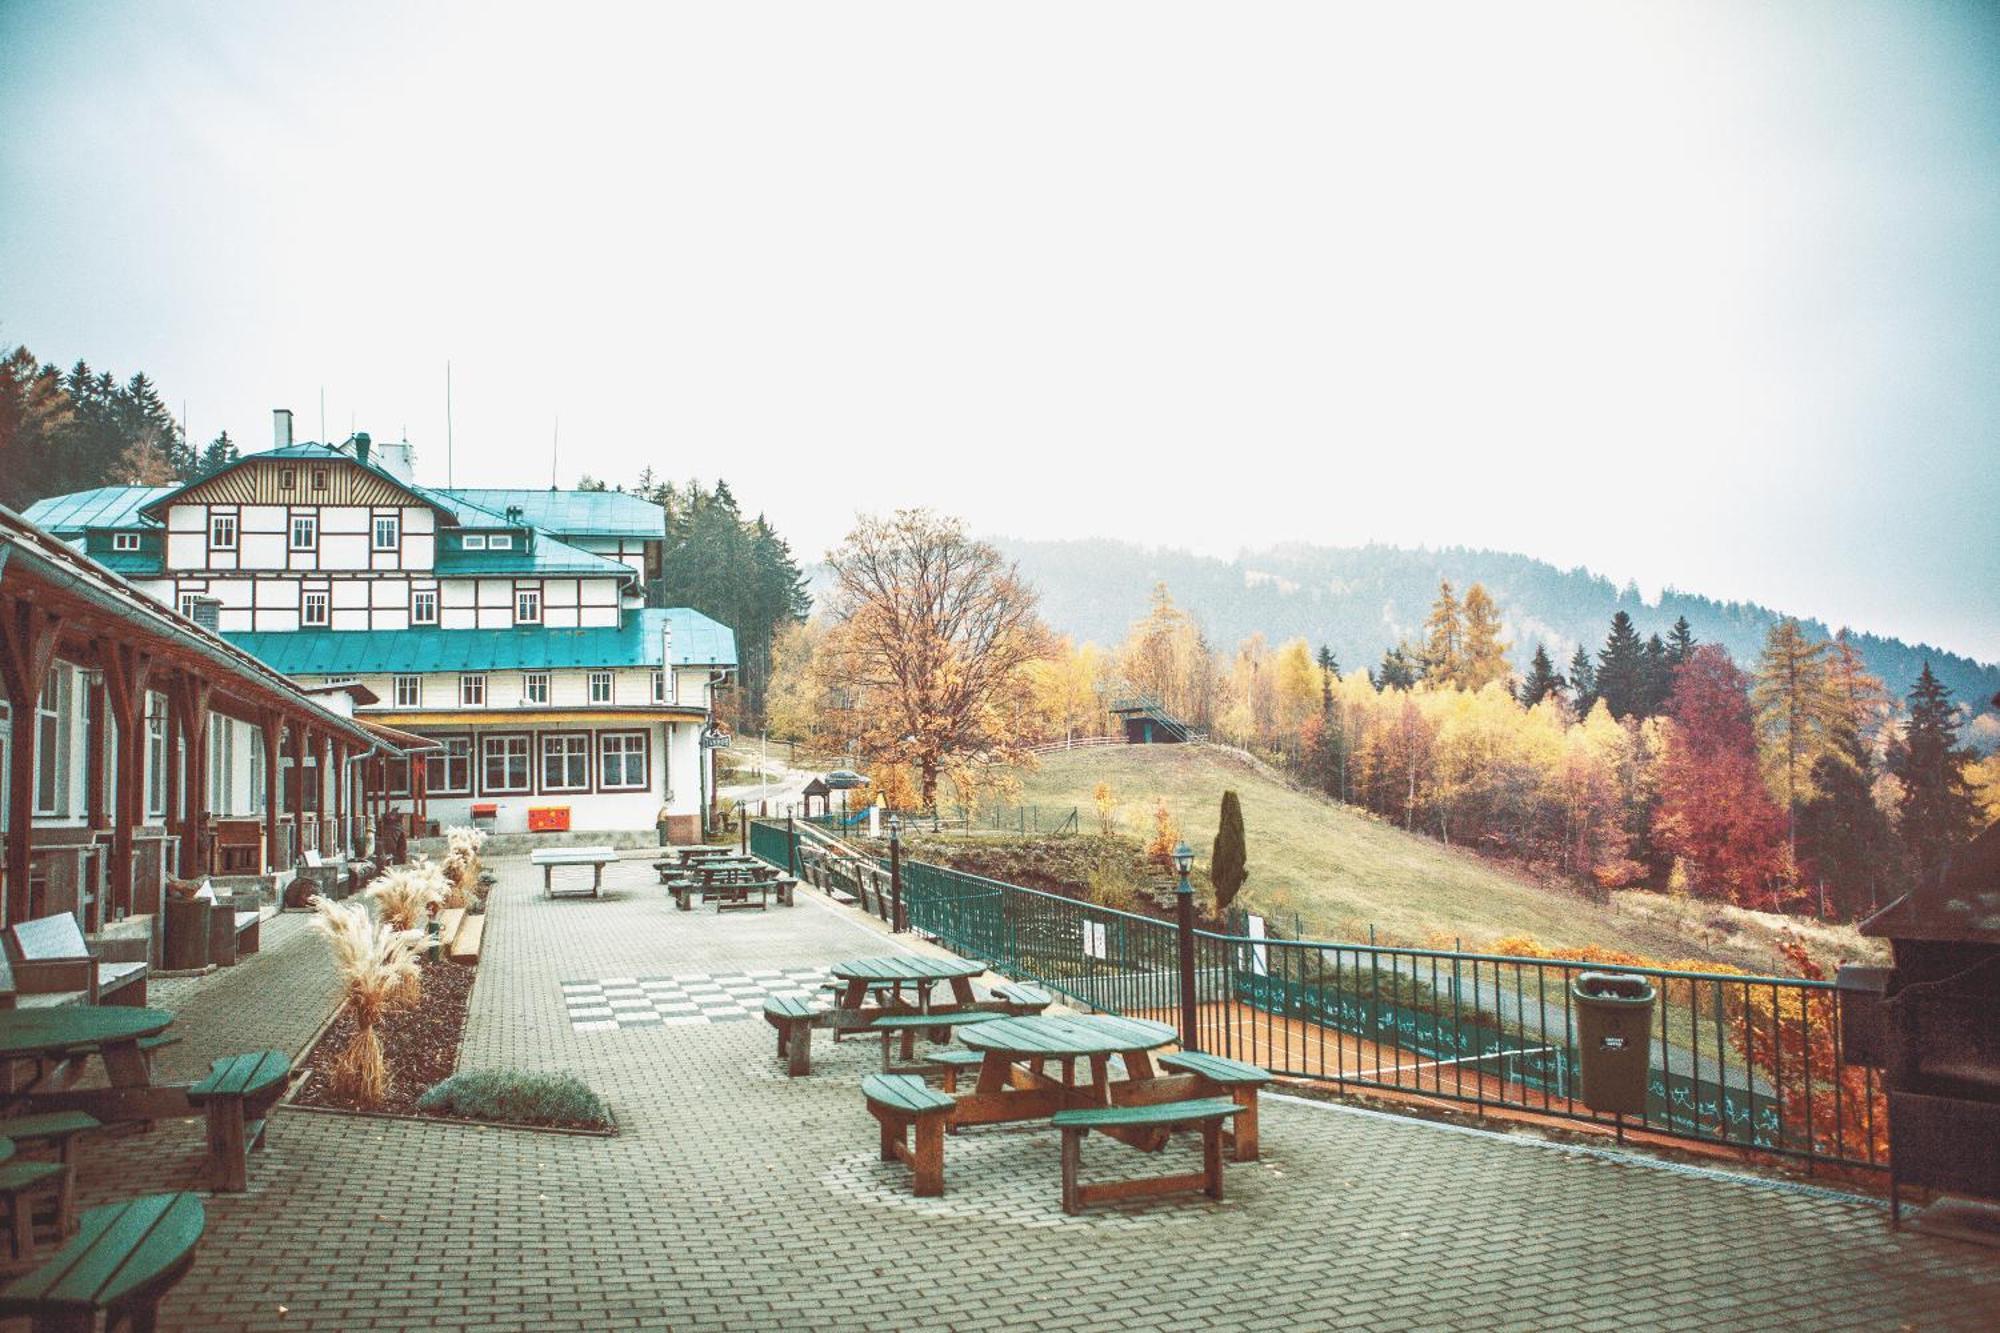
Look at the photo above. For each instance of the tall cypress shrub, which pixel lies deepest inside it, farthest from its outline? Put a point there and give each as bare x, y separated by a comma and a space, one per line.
1227, 868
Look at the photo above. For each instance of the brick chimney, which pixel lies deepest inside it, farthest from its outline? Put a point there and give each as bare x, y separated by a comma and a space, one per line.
281, 428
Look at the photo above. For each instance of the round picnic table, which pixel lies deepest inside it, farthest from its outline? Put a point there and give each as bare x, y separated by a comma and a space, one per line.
1036, 1039
111, 1032
898, 970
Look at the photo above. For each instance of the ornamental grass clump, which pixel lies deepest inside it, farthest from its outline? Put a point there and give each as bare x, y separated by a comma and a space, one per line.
403, 895
462, 871
377, 965
521, 1099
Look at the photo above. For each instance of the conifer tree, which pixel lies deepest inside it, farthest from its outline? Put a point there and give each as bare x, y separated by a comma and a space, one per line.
1582, 681
1937, 812
1443, 659
1797, 715
1656, 674
1541, 680
1680, 642
1621, 669
1228, 867
1398, 671
1483, 657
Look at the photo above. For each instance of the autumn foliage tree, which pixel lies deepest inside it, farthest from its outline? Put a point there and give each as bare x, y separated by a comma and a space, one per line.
1716, 816
931, 633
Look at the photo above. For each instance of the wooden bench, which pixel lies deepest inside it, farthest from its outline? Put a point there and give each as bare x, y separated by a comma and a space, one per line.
1220, 1076
950, 1064
900, 1103
19, 1181
57, 1131
122, 1260
465, 940
235, 928
907, 1026
794, 1019
237, 1095
728, 896
1024, 998
49, 956
1204, 1113
236, 847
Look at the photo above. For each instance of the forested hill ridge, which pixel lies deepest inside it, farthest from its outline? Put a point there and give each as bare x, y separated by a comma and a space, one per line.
1362, 600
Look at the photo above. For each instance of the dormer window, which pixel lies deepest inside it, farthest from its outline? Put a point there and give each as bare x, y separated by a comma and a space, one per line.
473, 541
500, 541
124, 541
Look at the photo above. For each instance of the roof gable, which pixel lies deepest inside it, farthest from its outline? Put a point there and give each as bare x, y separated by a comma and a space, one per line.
259, 479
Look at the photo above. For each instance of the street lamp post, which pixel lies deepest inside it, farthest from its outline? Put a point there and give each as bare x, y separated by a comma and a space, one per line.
1184, 922
896, 922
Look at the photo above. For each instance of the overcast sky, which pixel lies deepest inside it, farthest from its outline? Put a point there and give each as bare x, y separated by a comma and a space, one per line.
1707, 296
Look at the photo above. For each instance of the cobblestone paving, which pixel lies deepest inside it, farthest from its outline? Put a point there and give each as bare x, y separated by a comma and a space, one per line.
737, 1198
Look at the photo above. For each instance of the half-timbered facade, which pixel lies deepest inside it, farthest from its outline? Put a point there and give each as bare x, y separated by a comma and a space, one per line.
508, 626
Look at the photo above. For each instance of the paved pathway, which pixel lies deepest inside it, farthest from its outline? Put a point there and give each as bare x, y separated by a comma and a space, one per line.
737, 1198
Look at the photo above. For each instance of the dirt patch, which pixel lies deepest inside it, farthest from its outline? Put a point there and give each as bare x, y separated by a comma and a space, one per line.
419, 1043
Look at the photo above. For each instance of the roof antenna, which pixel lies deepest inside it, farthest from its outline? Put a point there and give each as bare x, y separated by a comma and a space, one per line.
322, 414
447, 422
555, 451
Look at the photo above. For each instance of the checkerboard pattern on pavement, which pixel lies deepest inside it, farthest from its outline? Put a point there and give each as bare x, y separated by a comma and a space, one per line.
649, 1002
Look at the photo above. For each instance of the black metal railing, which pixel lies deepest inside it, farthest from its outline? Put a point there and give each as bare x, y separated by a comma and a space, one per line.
1741, 1061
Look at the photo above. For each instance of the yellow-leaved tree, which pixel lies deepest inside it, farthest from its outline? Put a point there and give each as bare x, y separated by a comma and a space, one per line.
929, 639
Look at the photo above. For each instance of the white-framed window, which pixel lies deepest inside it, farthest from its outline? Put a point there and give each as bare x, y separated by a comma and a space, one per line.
621, 760
305, 532
156, 755
124, 541
660, 695
221, 769
528, 606
222, 532
503, 765
600, 687
186, 603
450, 769
388, 532
472, 541
424, 606
500, 541
472, 690
409, 691
288, 479
535, 686
54, 722
315, 608
319, 478
566, 761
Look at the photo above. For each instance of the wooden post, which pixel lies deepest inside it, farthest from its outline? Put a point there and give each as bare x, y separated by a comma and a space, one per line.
272, 727
344, 838
296, 738
96, 773
190, 702
27, 651
125, 673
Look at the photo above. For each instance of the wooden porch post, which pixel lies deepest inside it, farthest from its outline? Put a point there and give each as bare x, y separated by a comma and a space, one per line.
296, 788
420, 782
27, 650
341, 835
125, 673
190, 701
272, 725
96, 772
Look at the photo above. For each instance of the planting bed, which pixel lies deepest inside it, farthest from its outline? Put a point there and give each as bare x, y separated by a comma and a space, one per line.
419, 1043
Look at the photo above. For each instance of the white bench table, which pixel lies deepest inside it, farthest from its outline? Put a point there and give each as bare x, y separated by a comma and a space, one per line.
548, 858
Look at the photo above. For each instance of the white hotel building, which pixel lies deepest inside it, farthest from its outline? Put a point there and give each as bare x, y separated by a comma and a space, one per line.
509, 626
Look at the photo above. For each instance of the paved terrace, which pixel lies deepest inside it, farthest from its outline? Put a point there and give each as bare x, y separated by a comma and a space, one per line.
735, 1198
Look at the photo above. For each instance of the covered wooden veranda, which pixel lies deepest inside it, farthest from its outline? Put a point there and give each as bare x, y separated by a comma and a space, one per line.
107, 860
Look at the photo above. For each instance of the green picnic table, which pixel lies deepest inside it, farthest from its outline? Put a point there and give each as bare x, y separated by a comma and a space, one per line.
1037, 1039
112, 1032
919, 971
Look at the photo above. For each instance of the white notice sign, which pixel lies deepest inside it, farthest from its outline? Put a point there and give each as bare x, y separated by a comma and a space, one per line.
1093, 940
1255, 930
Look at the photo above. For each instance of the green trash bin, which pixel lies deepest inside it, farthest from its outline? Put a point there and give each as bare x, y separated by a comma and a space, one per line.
1614, 1029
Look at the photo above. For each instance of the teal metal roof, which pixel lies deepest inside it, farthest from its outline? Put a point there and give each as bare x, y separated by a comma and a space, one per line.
571, 513
104, 507
698, 641
548, 556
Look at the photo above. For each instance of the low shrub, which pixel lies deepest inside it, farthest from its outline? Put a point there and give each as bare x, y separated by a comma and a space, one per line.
522, 1099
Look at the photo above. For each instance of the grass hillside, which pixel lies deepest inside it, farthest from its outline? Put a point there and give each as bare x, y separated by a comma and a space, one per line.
1341, 870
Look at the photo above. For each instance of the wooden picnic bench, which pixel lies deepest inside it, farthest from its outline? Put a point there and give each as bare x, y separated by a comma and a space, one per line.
238, 1095
49, 956
1238, 1080
884, 981
55, 1131
19, 1182
901, 1103
123, 1259
906, 1027
1204, 1113
548, 858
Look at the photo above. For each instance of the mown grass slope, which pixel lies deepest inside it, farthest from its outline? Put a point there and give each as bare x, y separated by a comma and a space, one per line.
1340, 870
